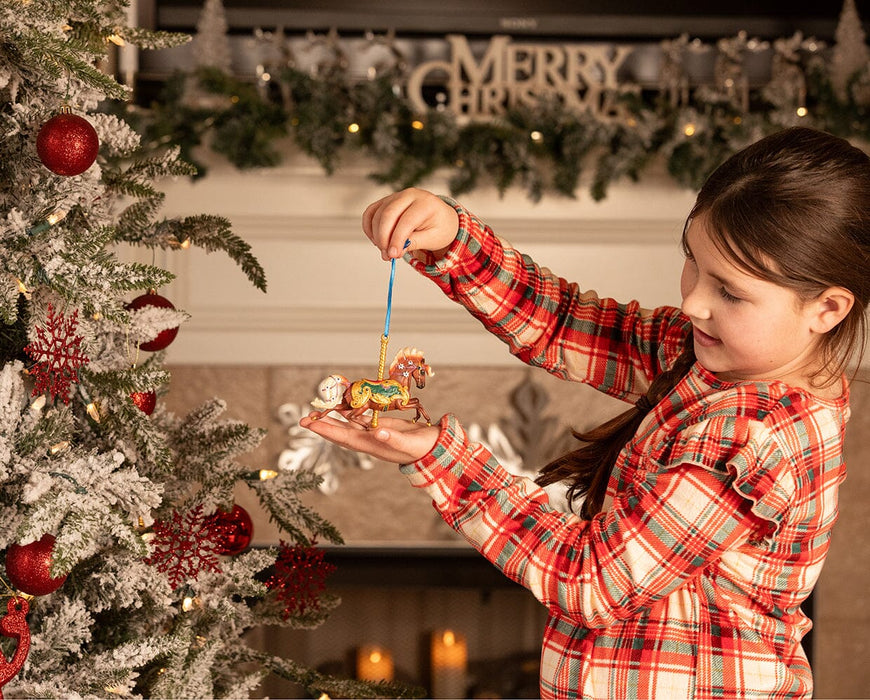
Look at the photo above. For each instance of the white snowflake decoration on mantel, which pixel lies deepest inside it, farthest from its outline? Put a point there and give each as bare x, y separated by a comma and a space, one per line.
307, 450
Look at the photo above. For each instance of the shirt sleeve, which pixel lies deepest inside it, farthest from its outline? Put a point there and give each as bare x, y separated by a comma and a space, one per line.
549, 322
667, 526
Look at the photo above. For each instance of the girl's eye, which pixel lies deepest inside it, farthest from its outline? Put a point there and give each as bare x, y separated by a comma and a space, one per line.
728, 297
687, 254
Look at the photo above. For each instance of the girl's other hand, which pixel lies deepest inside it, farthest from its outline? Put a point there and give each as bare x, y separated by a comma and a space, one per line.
394, 440
412, 214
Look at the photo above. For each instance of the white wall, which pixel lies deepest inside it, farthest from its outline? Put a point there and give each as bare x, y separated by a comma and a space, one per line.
327, 286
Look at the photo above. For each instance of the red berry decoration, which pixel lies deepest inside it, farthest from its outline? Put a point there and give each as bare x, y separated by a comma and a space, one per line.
28, 567
67, 144
145, 401
236, 530
163, 338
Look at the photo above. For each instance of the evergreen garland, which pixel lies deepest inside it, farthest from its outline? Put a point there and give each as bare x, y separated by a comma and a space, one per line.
543, 150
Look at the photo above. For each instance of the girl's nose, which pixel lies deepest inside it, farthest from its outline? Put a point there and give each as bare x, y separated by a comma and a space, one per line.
694, 305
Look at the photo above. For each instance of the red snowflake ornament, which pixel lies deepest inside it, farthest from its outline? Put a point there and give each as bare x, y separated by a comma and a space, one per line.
58, 355
299, 578
186, 545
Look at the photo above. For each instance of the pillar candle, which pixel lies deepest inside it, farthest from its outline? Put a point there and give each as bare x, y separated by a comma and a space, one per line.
374, 663
449, 664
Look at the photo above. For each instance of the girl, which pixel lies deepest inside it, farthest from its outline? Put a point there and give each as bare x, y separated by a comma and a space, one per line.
706, 507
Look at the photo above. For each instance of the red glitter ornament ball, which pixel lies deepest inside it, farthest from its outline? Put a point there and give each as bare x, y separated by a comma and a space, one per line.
238, 528
67, 144
146, 401
29, 567
163, 338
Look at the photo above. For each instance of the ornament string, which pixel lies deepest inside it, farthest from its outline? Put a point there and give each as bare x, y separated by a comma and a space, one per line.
385, 338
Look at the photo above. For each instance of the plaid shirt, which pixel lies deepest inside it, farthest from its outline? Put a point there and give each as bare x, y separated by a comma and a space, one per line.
719, 509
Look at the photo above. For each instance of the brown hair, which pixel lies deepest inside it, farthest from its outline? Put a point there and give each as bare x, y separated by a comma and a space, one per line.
793, 209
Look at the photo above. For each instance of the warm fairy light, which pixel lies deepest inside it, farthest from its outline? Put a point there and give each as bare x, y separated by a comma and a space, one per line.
738, 120
38, 404
417, 124
56, 216
324, 696
448, 638
59, 447
187, 604
22, 287
266, 474
234, 99
689, 130
185, 244
631, 121
536, 136
265, 77
353, 128
93, 411
802, 111
96, 315
116, 40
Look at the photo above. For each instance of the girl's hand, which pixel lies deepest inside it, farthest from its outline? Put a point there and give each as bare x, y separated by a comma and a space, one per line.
394, 440
416, 215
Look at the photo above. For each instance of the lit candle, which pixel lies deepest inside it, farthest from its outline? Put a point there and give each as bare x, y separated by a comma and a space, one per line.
128, 55
374, 663
449, 664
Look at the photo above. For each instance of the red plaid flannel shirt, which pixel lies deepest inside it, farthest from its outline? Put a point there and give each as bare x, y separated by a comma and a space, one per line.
720, 508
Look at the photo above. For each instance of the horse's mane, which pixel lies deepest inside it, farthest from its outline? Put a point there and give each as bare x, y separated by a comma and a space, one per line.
408, 353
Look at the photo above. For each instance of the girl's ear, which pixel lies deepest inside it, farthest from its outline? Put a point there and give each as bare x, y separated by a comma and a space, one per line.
831, 307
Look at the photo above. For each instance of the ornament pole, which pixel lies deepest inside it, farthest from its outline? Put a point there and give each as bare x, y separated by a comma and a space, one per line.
382, 364
385, 338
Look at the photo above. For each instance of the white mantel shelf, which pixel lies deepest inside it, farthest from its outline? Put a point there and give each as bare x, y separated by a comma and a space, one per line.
327, 286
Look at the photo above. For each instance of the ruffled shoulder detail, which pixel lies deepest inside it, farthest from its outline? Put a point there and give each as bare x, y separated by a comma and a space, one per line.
747, 450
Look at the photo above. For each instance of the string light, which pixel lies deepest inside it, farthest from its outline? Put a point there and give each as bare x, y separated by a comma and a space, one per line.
689, 130
56, 216
116, 40
59, 447
353, 128
802, 111
266, 474
93, 411
536, 136
417, 124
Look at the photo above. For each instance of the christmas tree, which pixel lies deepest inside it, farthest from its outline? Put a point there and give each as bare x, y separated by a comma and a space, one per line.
125, 565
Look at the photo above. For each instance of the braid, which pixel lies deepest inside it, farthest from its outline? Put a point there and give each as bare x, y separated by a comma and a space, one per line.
588, 467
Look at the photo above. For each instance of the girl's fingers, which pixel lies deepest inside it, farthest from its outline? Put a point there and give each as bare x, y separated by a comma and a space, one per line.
393, 440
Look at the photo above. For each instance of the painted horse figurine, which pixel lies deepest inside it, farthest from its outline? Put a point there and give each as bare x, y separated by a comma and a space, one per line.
336, 392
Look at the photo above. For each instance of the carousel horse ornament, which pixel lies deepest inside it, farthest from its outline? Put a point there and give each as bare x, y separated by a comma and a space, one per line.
336, 392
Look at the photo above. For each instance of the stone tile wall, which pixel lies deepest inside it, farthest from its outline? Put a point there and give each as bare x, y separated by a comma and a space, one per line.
376, 506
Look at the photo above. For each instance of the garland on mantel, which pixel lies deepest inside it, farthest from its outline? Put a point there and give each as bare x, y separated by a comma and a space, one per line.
542, 149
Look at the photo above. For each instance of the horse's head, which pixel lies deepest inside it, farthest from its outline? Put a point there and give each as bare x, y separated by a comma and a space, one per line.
410, 364
330, 391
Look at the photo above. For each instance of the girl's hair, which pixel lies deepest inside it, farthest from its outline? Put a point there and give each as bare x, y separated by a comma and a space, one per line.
793, 209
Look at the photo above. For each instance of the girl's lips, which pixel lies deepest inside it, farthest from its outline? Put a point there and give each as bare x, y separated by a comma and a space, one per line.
703, 339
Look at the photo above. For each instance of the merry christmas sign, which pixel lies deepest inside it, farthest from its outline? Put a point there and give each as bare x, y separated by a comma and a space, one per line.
512, 74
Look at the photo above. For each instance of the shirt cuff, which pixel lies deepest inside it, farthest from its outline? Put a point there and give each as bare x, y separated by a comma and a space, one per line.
452, 258
455, 470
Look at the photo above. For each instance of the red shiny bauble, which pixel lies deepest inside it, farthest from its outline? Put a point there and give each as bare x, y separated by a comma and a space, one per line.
67, 144
163, 338
29, 567
237, 528
145, 401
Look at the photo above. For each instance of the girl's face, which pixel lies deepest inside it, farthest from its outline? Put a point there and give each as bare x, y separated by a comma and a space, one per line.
745, 328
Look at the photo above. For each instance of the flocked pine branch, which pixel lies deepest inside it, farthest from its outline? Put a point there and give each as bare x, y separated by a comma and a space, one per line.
280, 498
